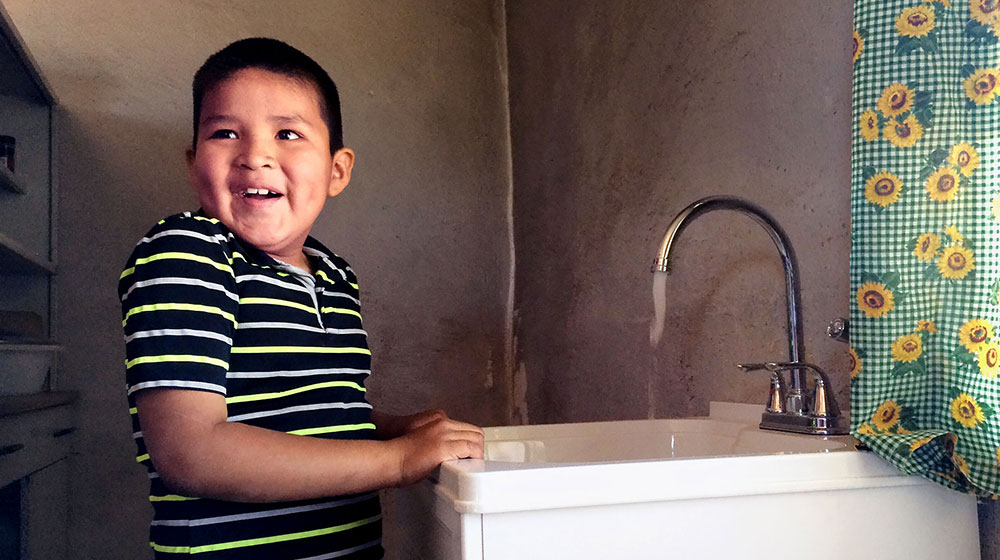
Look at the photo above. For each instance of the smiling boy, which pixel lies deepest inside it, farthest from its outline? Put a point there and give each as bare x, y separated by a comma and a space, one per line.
245, 352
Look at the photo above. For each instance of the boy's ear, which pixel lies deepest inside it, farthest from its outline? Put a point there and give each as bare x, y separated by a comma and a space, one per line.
189, 157
340, 172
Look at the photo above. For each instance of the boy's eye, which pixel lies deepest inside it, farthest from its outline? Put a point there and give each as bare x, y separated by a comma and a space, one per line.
288, 135
224, 133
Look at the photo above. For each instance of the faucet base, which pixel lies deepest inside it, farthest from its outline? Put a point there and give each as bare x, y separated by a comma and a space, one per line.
805, 424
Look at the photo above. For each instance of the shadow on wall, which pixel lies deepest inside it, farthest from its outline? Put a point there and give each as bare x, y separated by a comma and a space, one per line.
116, 177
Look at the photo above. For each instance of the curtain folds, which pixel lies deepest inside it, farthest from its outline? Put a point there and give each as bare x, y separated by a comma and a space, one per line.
925, 238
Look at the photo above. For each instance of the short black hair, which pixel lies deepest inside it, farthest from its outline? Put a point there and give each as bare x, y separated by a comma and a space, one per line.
273, 56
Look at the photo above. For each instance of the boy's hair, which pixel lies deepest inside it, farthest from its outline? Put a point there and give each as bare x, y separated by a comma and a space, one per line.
273, 56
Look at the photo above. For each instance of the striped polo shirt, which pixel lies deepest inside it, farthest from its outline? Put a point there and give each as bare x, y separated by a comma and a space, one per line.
203, 310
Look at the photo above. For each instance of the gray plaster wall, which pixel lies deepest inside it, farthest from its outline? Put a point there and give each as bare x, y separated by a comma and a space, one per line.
424, 222
623, 113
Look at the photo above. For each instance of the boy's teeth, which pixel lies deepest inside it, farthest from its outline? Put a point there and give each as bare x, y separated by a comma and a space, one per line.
255, 191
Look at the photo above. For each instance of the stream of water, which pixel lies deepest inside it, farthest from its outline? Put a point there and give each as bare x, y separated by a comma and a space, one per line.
659, 307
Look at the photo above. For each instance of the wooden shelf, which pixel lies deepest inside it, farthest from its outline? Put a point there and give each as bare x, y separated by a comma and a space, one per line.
15, 259
19, 404
8, 182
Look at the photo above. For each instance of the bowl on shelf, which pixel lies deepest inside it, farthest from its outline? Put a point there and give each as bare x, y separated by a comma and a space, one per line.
21, 325
24, 368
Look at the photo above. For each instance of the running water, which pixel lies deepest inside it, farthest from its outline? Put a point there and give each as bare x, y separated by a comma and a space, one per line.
660, 307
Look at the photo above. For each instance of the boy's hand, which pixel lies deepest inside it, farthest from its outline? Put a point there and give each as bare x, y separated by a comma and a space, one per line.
414, 421
392, 426
433, 439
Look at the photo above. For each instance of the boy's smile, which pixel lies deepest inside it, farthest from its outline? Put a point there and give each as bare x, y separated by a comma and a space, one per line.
262, 163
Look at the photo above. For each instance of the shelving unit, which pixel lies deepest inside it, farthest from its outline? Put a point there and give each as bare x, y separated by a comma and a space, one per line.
36, 430
27, 197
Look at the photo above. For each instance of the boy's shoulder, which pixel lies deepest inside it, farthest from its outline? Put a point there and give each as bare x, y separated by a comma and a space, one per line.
186, 232
193, 222
192, 225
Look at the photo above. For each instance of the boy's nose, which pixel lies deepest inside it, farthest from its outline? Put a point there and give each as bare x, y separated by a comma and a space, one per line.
257, 153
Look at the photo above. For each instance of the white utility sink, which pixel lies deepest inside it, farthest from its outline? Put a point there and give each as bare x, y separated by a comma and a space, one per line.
713, 487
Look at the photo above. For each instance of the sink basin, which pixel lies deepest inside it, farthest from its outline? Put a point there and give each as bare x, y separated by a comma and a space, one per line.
712, 487
641, 440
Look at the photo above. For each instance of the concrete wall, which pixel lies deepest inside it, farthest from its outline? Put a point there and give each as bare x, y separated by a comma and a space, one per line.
424, 222
623, 113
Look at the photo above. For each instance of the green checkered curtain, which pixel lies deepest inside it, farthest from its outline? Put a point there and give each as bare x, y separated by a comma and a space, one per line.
925, 238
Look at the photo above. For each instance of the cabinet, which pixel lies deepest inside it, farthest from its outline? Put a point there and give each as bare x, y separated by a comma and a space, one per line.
35, 436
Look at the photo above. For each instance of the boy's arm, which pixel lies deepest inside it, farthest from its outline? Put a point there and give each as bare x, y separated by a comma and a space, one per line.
198, 453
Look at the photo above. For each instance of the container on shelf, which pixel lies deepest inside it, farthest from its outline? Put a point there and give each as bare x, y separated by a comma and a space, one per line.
24, 368
21, 325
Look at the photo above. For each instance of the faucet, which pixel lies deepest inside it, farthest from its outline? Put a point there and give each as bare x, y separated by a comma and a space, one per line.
787, 410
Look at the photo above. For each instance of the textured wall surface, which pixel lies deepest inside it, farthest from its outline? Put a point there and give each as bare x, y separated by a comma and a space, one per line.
424, 222
622, 113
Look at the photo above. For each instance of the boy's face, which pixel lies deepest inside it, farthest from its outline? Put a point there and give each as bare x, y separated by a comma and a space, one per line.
263, 164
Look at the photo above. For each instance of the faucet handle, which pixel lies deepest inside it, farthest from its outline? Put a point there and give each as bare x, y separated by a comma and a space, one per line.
776, 393
839, 329
786, 413
822, 403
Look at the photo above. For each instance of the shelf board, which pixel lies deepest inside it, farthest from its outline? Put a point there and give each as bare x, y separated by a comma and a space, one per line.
14, 258
8, 182
18, 404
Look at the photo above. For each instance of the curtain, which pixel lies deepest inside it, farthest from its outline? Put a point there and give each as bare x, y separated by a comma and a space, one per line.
925, 238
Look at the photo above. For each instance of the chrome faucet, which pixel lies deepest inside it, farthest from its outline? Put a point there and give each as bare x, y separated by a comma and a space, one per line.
789, 409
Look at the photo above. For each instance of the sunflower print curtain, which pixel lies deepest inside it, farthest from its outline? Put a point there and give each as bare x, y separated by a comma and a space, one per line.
925, 233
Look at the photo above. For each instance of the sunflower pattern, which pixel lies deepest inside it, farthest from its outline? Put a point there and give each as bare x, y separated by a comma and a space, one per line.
926, 246
891, 417
989, 359
856, 362
952, 261
870, 125
975, 334
942, 185
965, 157
883, 189
984, 25
902, 114
886, 417
915, 22
875, 298
967, 412
980, 84
946, 172
907, 348
858, 45
956, 262
924, 358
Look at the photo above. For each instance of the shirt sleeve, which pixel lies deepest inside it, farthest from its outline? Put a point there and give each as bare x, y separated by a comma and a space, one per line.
179, 305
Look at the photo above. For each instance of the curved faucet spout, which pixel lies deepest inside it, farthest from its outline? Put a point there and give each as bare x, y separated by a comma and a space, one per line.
705, 205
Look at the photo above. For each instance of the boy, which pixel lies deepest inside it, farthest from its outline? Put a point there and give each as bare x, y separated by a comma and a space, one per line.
246, 356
